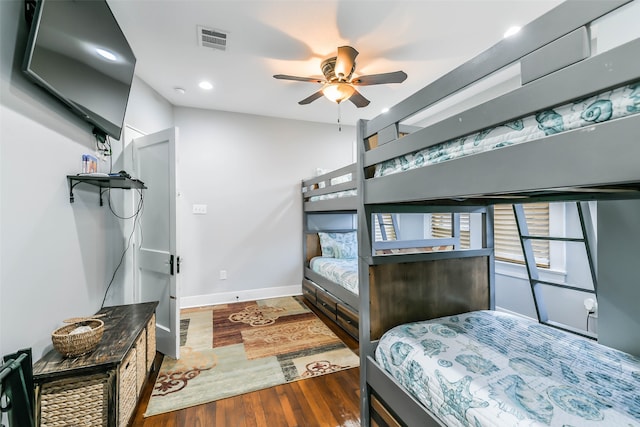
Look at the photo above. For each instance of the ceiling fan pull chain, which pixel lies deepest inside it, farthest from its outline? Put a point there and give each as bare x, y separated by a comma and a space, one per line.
339, 124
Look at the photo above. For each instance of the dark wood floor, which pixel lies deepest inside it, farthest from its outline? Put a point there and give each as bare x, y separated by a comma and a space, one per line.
328, 400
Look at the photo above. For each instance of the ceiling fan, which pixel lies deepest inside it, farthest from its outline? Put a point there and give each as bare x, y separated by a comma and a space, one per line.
339, 82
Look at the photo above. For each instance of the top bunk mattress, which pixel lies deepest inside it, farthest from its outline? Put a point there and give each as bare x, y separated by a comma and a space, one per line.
488, 368
605, 106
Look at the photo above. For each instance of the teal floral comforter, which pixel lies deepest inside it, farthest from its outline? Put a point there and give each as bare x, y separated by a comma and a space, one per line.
336, 195
488, 368
605, 106
343, 271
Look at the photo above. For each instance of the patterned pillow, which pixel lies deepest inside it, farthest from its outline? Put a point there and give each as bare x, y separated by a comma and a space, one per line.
326, 244
339, 245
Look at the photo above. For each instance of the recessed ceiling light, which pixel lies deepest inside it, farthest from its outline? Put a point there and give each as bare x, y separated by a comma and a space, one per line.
205, 85
511, 31
106, 54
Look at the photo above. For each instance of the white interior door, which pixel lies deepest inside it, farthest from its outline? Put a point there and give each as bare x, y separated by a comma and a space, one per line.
157, 258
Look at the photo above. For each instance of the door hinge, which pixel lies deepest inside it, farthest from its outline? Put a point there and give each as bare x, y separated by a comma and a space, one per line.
171, 265
177, 265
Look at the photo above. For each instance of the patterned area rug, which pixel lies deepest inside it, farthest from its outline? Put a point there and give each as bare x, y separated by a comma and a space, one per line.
231, 349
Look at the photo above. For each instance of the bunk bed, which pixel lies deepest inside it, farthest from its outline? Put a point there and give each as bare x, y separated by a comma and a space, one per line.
330, 265
330, 258
433, 349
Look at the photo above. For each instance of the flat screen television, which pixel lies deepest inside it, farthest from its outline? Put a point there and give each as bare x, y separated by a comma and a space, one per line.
77, 51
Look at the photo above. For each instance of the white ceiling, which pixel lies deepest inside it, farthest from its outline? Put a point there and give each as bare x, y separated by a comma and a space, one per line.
424, 38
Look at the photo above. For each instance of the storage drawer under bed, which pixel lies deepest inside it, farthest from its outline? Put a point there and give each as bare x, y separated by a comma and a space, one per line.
309, 291
381, 416
347, 318
327, 304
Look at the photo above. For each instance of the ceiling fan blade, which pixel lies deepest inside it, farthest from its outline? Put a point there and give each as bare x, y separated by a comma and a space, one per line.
345, 62
311, 98
299, 79
359, 100
378, 79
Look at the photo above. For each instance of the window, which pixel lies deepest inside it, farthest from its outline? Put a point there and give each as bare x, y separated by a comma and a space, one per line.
507, 240
441, 226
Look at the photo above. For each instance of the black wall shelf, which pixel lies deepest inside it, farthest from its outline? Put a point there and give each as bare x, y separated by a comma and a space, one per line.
103, 182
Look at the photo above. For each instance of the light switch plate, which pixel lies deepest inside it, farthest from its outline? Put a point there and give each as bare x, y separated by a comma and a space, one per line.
199, 209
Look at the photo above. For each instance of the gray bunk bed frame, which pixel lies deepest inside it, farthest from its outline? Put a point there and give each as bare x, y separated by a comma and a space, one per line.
557, 67
338, 303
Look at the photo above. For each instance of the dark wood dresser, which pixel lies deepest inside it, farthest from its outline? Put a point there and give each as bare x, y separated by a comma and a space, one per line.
100, 388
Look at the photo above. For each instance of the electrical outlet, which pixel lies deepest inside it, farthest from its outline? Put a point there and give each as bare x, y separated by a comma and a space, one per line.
223, 274
199, 209
591, 305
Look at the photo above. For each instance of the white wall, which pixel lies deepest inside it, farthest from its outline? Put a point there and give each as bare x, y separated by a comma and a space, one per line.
247, 170
55, 257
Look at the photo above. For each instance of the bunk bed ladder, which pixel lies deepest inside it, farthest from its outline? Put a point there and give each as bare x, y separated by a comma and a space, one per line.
536, 283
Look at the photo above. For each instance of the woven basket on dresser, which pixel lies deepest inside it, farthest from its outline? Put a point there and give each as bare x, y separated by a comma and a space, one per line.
75, 402
76, 344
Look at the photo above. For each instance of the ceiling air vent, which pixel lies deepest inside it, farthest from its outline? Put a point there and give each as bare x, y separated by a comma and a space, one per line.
215, 39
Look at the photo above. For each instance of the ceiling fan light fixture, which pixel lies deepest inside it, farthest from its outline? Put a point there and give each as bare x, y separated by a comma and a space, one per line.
339, 82
338, 91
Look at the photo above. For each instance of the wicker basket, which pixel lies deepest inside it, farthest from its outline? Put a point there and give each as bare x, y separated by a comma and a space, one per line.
77, 344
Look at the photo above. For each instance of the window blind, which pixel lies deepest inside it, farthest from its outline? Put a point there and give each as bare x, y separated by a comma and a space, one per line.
442, 226
507, 240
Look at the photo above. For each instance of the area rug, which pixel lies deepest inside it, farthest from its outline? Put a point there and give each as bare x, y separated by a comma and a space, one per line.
232, 349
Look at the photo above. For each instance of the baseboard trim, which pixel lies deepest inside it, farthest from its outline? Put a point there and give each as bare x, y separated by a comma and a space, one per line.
239, 296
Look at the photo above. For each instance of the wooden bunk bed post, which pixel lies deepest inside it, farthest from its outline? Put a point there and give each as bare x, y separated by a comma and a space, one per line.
364, 253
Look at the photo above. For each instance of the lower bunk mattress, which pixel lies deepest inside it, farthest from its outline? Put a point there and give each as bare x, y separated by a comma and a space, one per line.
488, 368
343, 271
